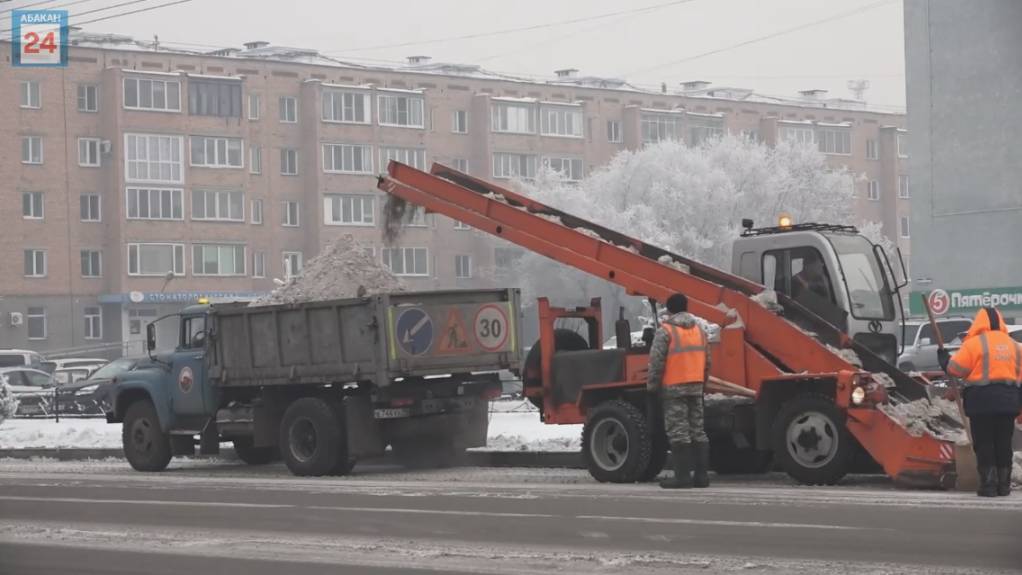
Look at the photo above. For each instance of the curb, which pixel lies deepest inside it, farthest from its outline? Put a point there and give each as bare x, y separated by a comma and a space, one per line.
563, 459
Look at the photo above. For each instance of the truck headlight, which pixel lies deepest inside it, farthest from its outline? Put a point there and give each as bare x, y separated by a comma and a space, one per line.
858, 395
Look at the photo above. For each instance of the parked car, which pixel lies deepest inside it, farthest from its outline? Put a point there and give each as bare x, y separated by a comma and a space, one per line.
19, 358
920, 352
70, 375
91, 363
33, 388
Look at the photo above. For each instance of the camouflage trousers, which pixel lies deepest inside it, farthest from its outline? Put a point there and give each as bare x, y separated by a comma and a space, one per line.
683, 413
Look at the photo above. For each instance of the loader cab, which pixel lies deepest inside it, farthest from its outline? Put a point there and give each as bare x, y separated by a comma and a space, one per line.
834, 271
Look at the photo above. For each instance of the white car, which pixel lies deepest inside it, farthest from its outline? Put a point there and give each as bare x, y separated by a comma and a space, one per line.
90, 363
19, 358
33, 388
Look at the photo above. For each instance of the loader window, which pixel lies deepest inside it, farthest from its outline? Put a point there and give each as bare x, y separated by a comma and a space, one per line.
868, 290
799, 273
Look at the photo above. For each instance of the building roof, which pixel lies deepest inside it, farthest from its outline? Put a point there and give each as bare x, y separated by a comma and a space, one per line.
568, 77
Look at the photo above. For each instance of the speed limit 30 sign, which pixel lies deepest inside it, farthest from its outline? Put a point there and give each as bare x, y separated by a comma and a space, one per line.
39, 38
491, 327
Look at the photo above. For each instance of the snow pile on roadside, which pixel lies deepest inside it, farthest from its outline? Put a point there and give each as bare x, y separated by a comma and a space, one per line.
526, 432
343, 269
94, 433
937, 417
8, 403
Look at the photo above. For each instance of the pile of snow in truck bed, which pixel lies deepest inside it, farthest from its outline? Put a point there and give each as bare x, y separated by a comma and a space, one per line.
343, 269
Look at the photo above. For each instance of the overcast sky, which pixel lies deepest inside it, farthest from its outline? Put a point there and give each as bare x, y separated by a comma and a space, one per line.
643, 47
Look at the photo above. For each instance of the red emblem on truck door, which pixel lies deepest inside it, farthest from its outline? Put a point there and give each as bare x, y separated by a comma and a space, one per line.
185, 380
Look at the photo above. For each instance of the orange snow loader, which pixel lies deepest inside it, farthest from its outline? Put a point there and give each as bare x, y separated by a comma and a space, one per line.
816, 390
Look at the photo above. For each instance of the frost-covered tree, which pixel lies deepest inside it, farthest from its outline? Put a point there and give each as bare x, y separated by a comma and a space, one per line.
687, 200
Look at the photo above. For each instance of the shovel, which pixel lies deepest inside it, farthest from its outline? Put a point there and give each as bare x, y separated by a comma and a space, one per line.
965, 457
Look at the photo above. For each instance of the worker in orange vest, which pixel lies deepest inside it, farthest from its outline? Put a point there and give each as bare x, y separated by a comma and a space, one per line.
990, 364
679, 363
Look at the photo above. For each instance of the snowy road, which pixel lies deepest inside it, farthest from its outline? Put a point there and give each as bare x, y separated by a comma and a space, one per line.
219, 517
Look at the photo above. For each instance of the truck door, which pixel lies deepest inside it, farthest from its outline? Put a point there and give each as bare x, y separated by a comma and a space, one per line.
188, 369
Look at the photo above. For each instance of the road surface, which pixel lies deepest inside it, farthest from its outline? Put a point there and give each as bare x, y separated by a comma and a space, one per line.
219, 517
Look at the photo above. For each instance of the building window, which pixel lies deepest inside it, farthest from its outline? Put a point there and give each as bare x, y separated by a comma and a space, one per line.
703, 128
31, 150
508, 165
156, 259
89, 207
255, 160
459, 121
288, 109
32, 205
798, 135
660, 127
88, 152
30, 94
460, 164
155, 204
462, 267
873, 190
258, 264
417, 219
91, 264
903, 192
36, 320
414, 157
210, 152
401, 110
569, 168
155, 95
407, 261
459, 225
902, 145
88, 98
346, 107
255, 104
209, 98
292, 264
904, 227
348, 158
751, 134
288, 162
871, 150
219, 205
93, 322
289, 214
349, 210
614, 132
218, 260
513, 118
257, 211
35, 263
837, 142
153, 158
563, 121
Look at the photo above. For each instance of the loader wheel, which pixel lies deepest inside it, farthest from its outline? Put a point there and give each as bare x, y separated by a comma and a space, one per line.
657, 459
811, 441
312, 439
616, 443
253, 455
146, 446
532, 377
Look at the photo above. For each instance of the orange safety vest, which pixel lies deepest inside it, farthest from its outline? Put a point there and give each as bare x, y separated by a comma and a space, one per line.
686, 356
988, 355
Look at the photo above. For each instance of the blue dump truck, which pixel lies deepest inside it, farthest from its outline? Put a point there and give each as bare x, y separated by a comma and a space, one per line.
320, 384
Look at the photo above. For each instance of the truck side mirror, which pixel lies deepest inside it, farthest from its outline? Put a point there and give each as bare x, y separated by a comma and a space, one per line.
150, 337
924, 341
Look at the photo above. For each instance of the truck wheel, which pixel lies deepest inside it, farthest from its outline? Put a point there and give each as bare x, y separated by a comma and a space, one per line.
532, 376
253, 455
657, 459
811, 441
146, 446
312, 440
728, 459
616, 443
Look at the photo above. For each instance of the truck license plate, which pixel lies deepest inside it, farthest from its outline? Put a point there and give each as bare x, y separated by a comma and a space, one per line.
391, 413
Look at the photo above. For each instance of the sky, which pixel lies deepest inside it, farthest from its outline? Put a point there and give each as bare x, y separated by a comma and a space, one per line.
810, 44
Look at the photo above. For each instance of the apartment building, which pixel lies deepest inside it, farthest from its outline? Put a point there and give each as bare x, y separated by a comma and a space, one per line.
138, 179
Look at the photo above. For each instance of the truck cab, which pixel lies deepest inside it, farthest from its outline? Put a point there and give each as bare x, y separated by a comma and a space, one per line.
834, 271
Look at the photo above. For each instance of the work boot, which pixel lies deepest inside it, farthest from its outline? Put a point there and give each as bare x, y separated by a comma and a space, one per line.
700, 477
681, 457
1003, 481
987, 482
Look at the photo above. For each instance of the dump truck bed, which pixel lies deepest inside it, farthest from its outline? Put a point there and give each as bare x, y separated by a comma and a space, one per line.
377, 339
